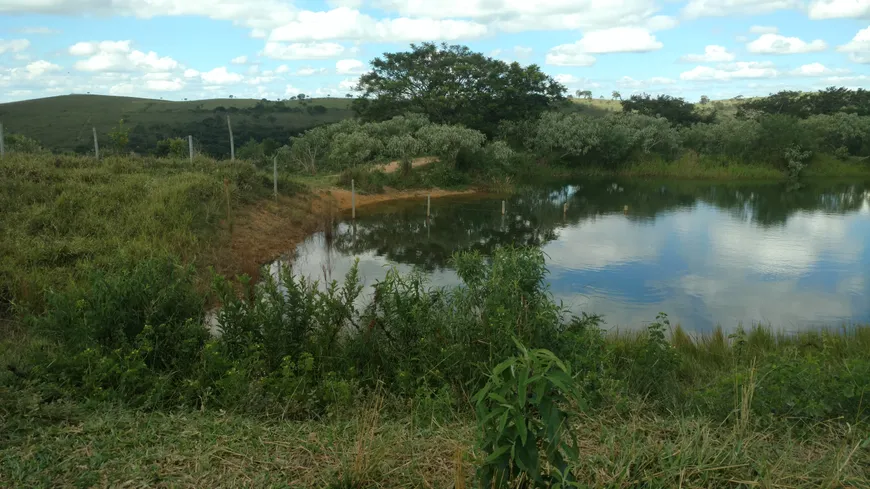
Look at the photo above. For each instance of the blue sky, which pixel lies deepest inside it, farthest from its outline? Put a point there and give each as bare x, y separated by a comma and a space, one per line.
273, 49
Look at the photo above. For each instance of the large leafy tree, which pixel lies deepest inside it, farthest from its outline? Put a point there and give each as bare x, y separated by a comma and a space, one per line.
453, 85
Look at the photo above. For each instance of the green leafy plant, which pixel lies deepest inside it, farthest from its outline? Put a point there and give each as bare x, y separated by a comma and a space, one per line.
120, 137
522, 414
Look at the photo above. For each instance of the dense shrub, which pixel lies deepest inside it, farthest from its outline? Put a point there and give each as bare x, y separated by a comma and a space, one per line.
17, 143
839, 134
446, 142
172, 147
733, 139
353, 149
115, 308
608, 140
830, 101
674, 109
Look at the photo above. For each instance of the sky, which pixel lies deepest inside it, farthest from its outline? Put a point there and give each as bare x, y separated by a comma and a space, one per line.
274, 49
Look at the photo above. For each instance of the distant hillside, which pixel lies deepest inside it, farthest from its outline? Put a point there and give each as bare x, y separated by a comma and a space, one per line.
64, 123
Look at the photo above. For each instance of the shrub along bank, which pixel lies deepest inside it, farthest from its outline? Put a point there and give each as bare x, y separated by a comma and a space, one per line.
767, 145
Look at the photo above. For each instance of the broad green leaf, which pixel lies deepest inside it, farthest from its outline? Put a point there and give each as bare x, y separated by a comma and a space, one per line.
520, 424
522, 380
498, 398
498, 452
527, 459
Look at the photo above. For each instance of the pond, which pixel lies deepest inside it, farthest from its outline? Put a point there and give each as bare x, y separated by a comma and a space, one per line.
706, 254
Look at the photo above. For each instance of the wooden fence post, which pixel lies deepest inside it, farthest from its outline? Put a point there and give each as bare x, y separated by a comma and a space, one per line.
502, 207
2, 146
190, 147
274, 174
428, 205
96, 145
353, 200
232, 142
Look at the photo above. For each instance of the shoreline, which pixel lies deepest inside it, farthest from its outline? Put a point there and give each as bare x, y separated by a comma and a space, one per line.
264, 231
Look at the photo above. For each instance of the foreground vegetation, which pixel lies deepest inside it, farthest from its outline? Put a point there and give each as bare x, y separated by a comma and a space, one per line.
405, 371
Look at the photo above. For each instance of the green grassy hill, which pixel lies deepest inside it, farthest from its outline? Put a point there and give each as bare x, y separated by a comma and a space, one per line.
65, 123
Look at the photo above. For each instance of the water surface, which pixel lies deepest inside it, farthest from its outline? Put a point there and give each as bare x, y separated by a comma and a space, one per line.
705, 253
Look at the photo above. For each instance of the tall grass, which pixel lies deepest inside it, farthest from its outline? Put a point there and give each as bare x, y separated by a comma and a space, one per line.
65, 216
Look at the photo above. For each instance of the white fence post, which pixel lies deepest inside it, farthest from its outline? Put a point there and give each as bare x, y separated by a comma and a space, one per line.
275, 174
353, 200
96, 145
190, 147
2, 146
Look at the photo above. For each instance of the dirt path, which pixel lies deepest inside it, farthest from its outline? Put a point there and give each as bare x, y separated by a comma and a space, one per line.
415, 163
263, 232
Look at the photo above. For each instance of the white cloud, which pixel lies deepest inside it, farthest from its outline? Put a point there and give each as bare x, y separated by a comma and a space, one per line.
93, 47
661, 23
859, 47
520, 16
838, 9
164, 85
122, 89
615, 40
118, 56
629, 82
350, 67
778, 44
712, 54
297, 51
255, 14
309, 71
573, 81
619, 40
220, 76
732, 71
191, 73
282, 69
41, 67
348, 84
240, 60
569, 55
763, 29
853, 82
38, 31
348, 24
721, 8
291, 91
522, 51
13, 45
816, 69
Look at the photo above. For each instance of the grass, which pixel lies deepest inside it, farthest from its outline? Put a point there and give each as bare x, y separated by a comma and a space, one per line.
73, 446
66, 216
